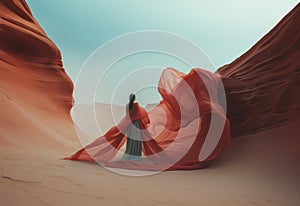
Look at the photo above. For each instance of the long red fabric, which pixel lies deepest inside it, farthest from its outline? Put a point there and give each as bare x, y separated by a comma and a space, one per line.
181, 132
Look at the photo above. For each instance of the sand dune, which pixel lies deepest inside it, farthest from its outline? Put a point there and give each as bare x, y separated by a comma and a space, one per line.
107, 115
260, 168
150, 106
95, 120
262, 85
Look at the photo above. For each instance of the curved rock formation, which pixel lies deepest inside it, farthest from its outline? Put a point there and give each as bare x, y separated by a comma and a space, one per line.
31, 59
35, 91
262, 86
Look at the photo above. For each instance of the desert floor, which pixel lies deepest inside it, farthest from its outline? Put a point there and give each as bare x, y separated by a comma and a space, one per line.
260, 169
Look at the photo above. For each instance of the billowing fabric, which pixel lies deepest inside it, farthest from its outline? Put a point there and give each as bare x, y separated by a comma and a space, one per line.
186, 130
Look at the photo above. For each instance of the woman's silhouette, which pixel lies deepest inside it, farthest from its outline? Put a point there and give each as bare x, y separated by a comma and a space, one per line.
176, 135
134, 136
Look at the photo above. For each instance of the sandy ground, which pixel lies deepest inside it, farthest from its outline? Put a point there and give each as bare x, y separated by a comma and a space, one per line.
261, 169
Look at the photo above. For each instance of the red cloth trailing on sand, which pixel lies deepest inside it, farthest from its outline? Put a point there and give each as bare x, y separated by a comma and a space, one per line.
188, 129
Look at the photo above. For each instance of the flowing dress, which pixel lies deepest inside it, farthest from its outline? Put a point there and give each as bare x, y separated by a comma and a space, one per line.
134, 141
188, 129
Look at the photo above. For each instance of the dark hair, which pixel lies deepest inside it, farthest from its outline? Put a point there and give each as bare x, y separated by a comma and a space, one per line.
131, 100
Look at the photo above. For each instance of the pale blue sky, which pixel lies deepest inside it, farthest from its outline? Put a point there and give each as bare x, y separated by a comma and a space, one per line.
223, 29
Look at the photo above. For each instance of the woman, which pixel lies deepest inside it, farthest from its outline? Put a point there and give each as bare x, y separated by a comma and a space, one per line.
134, 136
176, 135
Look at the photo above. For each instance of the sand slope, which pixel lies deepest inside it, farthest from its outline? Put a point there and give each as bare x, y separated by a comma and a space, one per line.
262, 86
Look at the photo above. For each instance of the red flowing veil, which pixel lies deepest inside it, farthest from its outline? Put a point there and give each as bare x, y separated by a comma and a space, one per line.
188, 129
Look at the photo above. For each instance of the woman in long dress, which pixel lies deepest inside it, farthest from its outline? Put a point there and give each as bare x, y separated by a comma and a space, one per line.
134, 136
175, 138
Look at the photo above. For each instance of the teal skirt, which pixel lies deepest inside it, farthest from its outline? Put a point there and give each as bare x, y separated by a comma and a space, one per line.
134, 142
